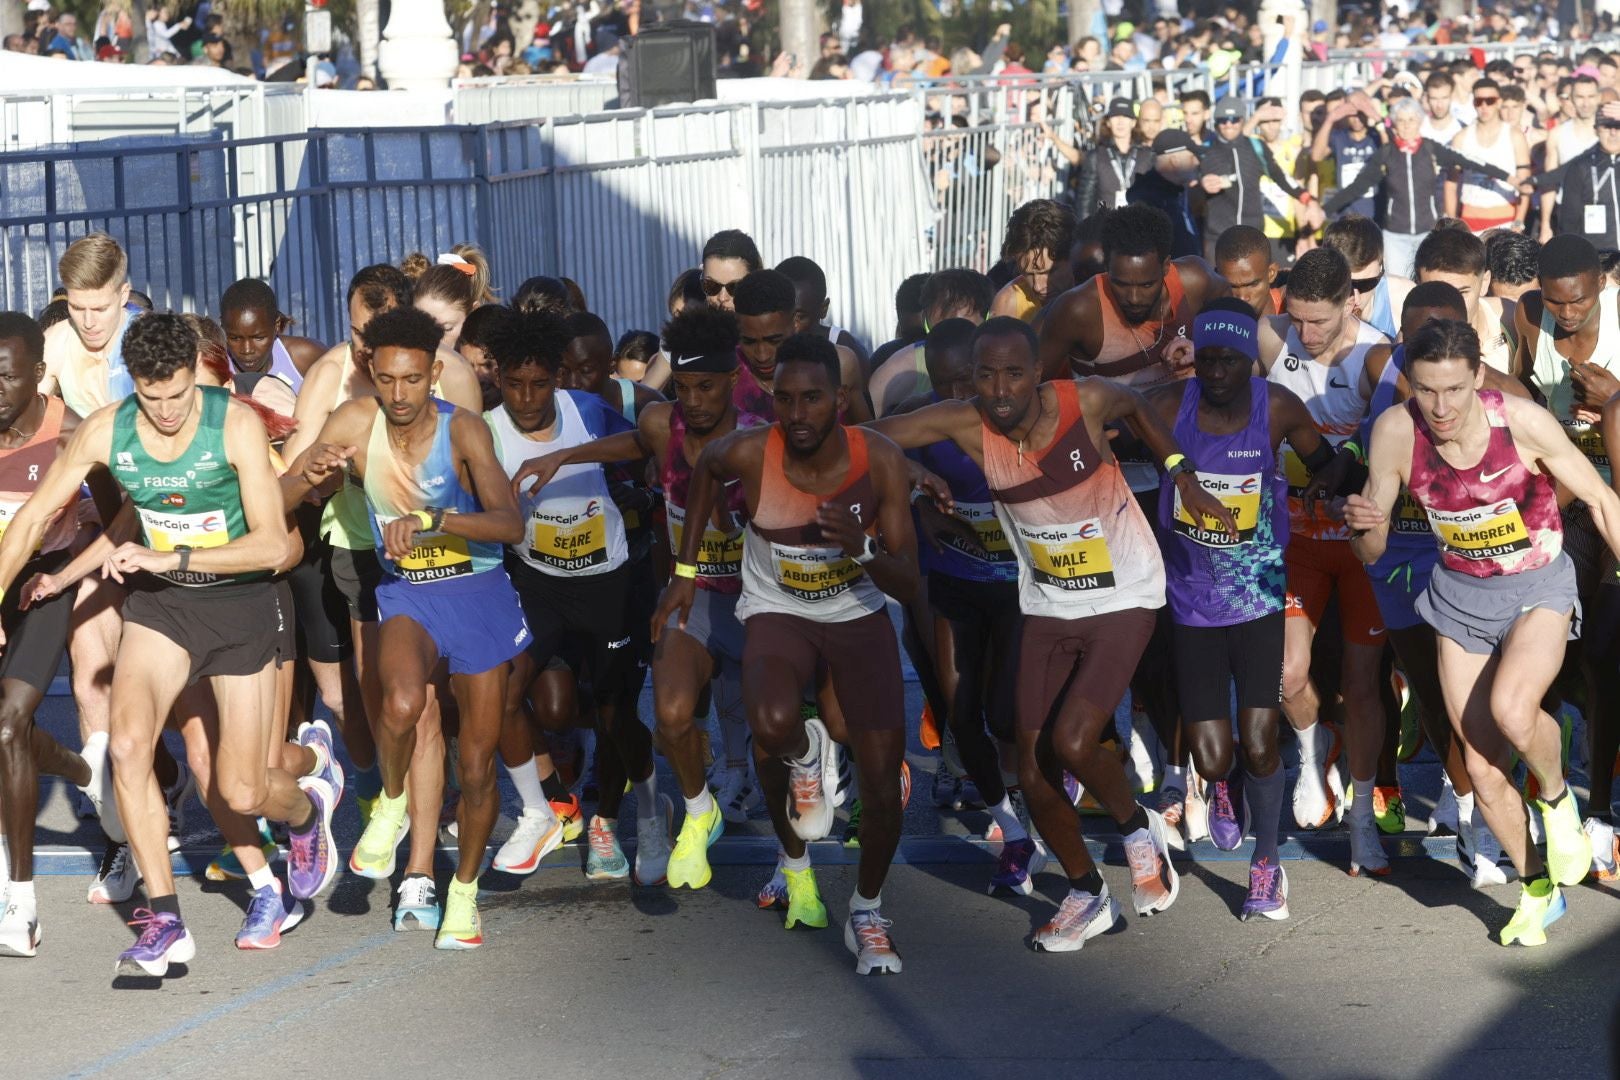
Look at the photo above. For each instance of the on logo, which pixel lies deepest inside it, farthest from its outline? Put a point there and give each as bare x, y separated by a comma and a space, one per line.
855, 508
33, 472
1078, 459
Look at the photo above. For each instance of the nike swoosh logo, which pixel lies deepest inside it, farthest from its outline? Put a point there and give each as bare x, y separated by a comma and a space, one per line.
1486, 478
1338, 385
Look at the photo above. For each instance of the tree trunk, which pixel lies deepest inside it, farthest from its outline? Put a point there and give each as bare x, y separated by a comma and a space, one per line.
801, 31
368, 23
1082, 14
138, 46
1451, 9
1328, 11
11, 19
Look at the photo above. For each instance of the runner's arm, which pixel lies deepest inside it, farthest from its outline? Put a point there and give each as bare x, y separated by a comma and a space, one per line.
121, 529
1059, 333
335, 442
1367, 514
946, 421
536, 473
314, 406
458, 382
894, 569
91, 445
499, 521
722, 461
1541, 435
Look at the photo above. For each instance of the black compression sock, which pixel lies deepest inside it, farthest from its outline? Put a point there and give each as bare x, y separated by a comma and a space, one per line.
170, 904
1089, 883
553, 788
1138, 820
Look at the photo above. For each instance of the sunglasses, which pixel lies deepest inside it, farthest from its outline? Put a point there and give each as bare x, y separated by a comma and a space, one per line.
1364, 284
712, 287
1229, 119
1483, 101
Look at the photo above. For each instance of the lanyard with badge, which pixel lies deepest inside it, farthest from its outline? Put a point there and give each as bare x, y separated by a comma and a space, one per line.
1124, 186
1595, 221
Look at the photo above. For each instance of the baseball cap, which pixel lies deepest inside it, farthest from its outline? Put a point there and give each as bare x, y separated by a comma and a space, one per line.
1320, 27
1172, 140
605, 39
1228, 110
1120, 107
39, 5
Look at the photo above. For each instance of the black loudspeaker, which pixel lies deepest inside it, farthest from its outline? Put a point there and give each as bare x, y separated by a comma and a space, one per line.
667, 64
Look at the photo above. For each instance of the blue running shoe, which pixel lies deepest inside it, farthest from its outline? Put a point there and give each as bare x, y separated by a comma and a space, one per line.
271, 913
319, 735
164, 940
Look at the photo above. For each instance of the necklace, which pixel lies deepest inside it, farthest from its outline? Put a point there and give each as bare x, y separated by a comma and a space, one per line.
1158, 341
1039, 410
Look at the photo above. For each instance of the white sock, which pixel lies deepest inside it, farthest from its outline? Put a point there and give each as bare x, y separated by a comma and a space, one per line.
857, 902
801, 863
1175, 776
21, 893
1465, 808
647, 797
263, 877
1362, 807
1005, 816
314, 748
702, 804
526, 779
1307, 743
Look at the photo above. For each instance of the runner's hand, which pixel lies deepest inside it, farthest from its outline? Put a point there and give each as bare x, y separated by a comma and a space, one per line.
535, 474
676, 600
937, 525
1361, 514
1595, 385
931, 485
325, 461
40, 588
1178, 354
1328, 479
1203, 506
399, 536
132, 558
841, 528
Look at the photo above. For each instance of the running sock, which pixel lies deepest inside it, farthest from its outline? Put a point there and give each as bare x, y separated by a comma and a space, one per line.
1005, 816
526, 779
1465, 809
1265, 795
262, 878
1553, 804
702, 804
21, 893
646, 796
1090, 882
395, 808
801, 863
1136, 823
162, 904
1361, 807
1175, 776
554, 788
368, 782
1307, 743
857, 902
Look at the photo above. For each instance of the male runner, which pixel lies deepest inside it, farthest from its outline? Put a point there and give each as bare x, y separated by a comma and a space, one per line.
811, 305
708, 649
33, 430
1458, 258
829, 533
1089, 577
1569, 355
764, 303
1039, 236
1227, 594
440, 509
197, 469
947, 294
1245, 258
1502, 600
256, 334
573, 573
1326, 356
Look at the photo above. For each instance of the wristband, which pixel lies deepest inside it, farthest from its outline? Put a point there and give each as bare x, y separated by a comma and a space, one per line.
1355, 449
686, 570
185, 558
423, 519
1172, 461
1305, 198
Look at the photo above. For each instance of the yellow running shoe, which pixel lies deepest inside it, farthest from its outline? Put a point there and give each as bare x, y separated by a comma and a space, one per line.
689, 862
572, 816
367, 807
374, 855
1540, 905
460, 928
804, 900
1389, 810
1569, 851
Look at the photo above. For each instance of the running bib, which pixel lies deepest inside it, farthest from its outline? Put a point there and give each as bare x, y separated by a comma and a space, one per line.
171, 532
1294, 471
1239, 493
813, 574
1485, 532
1410, 517
719, 555
992, 538
435, 557
569, 539
1073, 558
1588, 439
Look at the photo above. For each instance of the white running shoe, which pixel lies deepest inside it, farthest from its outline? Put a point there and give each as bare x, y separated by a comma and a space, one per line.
116, 880
1314, 799
1601, 836
866, 934
1195, 809
1485, 855
737, 794
100, 788
19, 931
1445, 814
811, 785
1366, 849
1144, 762
1538, 835
1154, 881
1079, 918
537, 834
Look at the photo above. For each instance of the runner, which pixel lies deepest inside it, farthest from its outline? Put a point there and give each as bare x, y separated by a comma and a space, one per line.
1039, 236
1227, 595
1569, 346
256, 334
1089, 577
707, 651
1326, 357
440, 509
829, 533
197, 469
33, 430
1245, 258
1503, 597
1458, 258
948, 294
811, 305
764, 303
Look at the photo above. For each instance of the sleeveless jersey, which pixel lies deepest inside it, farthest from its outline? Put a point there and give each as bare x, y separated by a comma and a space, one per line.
282, 366
89, 380
1382, 315
1334, 397
720, 554
1482, 192
788, 566
22, 468
748, 395
345, 521
1211, 579
194, 501
1550, 373
974, 507
1409, 531
1491, 519
1082, 544
394, 488
572, 528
